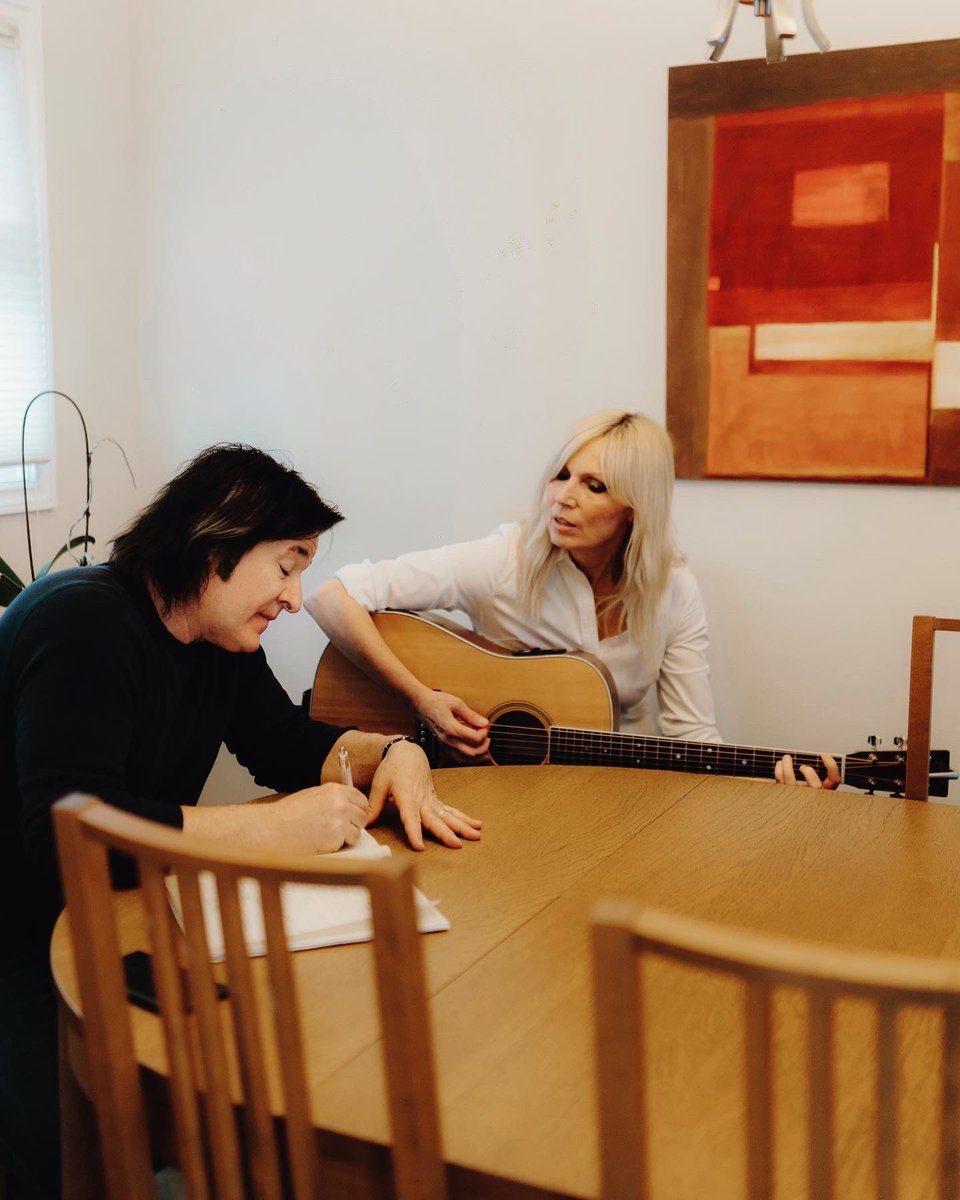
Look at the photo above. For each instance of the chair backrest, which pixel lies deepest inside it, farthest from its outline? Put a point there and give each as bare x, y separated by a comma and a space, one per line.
764, 968
921, 701
208, 1051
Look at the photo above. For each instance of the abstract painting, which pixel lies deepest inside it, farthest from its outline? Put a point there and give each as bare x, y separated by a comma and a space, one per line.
813, 294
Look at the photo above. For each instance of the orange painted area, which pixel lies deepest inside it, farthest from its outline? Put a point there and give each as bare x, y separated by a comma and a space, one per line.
948, 282
858, 194
864, 425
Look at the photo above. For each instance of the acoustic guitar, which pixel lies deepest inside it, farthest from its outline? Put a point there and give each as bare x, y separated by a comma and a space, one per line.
551, 706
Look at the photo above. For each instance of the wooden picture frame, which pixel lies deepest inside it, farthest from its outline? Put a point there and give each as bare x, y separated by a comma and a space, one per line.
854, 197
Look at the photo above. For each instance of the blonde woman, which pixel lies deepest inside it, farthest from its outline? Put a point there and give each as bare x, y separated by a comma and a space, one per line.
593, 567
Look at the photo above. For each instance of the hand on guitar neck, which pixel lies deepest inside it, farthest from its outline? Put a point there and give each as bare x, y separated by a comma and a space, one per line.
784, 772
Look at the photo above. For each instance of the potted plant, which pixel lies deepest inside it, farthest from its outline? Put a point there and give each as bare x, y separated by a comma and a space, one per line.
11, 585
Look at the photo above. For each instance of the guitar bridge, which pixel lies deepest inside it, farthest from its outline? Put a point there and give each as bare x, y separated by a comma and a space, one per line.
538, 653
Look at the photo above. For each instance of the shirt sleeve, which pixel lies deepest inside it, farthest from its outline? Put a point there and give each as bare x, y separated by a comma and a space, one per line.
684, 693
461, 576
270, 735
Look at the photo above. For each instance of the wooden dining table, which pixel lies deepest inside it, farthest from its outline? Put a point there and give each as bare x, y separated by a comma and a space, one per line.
510, 982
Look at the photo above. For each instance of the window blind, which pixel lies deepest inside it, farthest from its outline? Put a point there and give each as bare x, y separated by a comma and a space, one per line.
23, 307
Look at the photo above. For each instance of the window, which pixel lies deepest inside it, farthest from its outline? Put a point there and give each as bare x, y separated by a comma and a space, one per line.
24, 310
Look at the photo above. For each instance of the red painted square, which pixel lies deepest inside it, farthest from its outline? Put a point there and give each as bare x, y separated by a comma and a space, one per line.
764, 262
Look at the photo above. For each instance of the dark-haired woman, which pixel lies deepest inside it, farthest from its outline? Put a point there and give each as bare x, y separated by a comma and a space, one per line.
123, 681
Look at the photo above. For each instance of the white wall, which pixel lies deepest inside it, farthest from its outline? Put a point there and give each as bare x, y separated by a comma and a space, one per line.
90, 200
408, 243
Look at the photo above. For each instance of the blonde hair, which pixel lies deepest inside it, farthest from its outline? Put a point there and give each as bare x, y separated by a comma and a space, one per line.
636, 461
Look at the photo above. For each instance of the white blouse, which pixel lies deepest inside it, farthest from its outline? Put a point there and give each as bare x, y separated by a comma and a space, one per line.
480, 578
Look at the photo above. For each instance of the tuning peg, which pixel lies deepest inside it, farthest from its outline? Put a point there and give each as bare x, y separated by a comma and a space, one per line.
899, 743
873, 741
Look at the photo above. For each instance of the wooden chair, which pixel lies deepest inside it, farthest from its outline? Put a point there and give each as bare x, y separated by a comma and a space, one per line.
204, 1058
921, 701
626, 940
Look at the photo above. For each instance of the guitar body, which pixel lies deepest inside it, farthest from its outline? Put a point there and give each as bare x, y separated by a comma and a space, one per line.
529, 691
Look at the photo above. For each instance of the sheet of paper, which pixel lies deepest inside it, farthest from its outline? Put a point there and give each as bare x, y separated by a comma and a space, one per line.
314, 914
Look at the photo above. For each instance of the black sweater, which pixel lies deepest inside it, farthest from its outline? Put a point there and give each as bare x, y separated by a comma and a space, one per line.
96, 696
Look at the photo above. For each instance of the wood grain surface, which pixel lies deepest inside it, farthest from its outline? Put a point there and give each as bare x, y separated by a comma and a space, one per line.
510, 982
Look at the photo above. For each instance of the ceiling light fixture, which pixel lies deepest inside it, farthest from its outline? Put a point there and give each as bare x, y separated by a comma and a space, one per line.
780, 24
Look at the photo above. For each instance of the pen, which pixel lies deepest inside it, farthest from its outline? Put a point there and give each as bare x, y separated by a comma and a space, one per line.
346, 775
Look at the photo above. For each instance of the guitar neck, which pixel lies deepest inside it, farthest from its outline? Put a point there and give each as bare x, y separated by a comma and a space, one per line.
586, 747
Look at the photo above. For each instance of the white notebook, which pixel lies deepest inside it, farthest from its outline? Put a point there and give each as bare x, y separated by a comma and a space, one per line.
314, 914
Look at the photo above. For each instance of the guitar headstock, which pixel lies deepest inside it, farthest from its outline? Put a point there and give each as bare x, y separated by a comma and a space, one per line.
876, 770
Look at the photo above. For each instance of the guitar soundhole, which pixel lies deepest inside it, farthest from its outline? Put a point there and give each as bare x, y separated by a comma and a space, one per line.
518, 737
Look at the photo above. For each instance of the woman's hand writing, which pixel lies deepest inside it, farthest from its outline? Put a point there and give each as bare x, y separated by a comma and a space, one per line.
316, 820
328, 817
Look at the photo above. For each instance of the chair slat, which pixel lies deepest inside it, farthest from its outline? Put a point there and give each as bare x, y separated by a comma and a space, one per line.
114, 1077
408, 1048
264, 1162
300, 1134
169, 988
820, 1094
886, 1098
219, 1118
759, 1090
620, 1055
950, 1106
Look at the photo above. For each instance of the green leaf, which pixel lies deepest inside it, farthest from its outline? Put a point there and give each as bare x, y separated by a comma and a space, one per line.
6, 569
10, 589
72, 544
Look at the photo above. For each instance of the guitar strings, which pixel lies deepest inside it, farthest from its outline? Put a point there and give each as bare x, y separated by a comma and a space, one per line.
517, 734
565, 745
537, 740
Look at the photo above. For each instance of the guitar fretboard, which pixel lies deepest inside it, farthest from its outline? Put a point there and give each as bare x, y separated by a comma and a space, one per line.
594, 748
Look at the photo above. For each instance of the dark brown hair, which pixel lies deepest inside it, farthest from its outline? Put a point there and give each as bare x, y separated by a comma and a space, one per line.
220, 505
